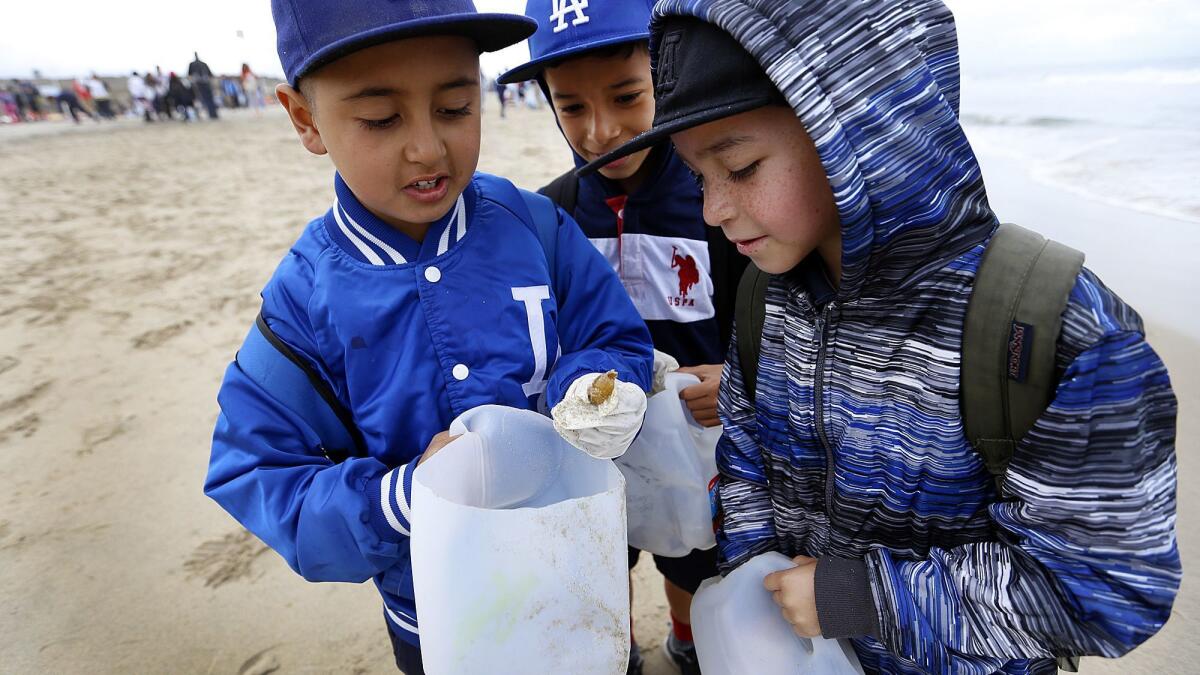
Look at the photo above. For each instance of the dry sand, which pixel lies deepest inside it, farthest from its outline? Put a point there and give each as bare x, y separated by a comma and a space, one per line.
132, 259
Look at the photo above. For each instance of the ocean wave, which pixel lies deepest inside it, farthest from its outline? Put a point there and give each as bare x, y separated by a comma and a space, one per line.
1152, 171
1040, 121
1144, 75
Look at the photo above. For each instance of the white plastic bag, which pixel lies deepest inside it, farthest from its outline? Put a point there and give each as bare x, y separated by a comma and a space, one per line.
739, 629
518, 552
667, 471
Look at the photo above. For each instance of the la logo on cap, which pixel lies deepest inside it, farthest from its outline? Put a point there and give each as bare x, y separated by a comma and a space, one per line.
561, 8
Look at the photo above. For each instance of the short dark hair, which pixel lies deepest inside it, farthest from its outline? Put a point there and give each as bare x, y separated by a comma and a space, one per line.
305, 87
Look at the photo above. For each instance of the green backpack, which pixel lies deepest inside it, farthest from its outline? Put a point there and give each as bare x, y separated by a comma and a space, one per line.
1009, 344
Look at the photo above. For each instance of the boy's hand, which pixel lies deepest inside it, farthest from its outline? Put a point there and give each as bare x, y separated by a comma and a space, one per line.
438, 442
794, 591
701, 398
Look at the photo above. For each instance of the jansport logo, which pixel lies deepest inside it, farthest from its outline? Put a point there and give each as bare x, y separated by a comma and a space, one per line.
560, 10
689, 275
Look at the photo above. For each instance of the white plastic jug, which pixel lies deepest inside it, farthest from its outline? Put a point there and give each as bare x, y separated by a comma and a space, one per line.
667, 470
518, 552
739, 630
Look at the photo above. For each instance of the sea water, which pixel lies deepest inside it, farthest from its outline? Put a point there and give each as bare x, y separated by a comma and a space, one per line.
1127, 135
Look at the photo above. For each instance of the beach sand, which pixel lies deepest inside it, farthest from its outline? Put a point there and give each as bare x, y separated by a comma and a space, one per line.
132, 260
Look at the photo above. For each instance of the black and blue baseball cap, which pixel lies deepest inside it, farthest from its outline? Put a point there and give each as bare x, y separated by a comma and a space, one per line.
569, 27
311, 33
701, 74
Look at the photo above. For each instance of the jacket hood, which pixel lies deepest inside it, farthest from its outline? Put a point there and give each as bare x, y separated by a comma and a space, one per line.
876, 85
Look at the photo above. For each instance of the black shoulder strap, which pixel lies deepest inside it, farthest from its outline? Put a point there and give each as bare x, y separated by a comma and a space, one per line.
727, 268
295, 384
1011, 338
564, 191
750, 313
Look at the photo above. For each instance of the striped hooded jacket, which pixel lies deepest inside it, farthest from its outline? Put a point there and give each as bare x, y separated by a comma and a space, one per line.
854, 451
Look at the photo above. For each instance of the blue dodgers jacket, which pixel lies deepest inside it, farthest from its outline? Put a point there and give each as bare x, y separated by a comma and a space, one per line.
409, 335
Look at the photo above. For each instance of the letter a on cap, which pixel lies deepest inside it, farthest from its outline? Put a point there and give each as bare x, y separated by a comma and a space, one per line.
564, 7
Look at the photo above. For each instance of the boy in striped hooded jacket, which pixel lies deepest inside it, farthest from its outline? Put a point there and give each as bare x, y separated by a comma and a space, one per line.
827, 138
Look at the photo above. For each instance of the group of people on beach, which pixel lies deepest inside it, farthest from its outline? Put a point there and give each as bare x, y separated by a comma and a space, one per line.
807, 157
152, 96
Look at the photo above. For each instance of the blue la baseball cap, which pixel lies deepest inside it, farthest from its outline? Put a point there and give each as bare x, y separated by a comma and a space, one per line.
566, 27
312, 33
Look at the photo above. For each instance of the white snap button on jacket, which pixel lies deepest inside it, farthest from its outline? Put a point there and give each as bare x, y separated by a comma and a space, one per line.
433, 275
461, 372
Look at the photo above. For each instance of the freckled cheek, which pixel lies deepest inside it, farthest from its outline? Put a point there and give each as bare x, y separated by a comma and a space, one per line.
772, 206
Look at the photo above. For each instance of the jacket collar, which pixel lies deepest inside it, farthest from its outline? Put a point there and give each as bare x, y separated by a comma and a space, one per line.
369, 239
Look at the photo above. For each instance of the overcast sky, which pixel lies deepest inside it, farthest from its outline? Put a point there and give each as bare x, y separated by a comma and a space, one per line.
63, 38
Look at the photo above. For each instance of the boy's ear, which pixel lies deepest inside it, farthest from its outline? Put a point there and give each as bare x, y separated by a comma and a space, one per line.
300, 109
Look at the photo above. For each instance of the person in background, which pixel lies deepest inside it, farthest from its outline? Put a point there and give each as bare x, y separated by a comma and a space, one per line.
70, 101
141, 100
83, 95
253, 88
100, 96
180, 97
159, 83
201, 77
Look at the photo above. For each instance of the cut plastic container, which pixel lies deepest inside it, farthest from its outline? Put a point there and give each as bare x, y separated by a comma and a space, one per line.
667, 470
518, 552
738, 629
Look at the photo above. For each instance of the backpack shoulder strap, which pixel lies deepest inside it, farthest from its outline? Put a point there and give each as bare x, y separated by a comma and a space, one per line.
290, 380
540, 214
563, 191
545, 221
749, 315
1010, 340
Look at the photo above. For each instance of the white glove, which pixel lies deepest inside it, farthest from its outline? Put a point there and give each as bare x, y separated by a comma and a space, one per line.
605, 430
663, 363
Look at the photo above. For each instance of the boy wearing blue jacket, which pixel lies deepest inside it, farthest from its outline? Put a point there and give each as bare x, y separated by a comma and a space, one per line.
427, 289
643, 212
827, 139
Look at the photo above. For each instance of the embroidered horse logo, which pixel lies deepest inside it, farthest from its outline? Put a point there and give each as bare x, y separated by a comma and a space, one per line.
689, 275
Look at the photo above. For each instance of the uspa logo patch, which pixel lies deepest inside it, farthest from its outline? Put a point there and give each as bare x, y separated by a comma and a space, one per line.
689, 275
561, 9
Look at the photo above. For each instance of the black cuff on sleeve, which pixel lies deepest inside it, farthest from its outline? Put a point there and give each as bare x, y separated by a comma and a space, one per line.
845, 604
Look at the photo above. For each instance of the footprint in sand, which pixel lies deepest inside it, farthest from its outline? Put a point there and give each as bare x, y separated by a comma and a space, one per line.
26, 427
260, 664
220, 561
21, 401
29, 423
96, 436
153, 338
7, 363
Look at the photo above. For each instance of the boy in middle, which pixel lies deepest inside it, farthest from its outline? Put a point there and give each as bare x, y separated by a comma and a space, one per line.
644, 213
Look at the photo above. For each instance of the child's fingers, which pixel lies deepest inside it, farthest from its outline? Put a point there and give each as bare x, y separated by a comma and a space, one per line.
695, 392
774, 581
704, 372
